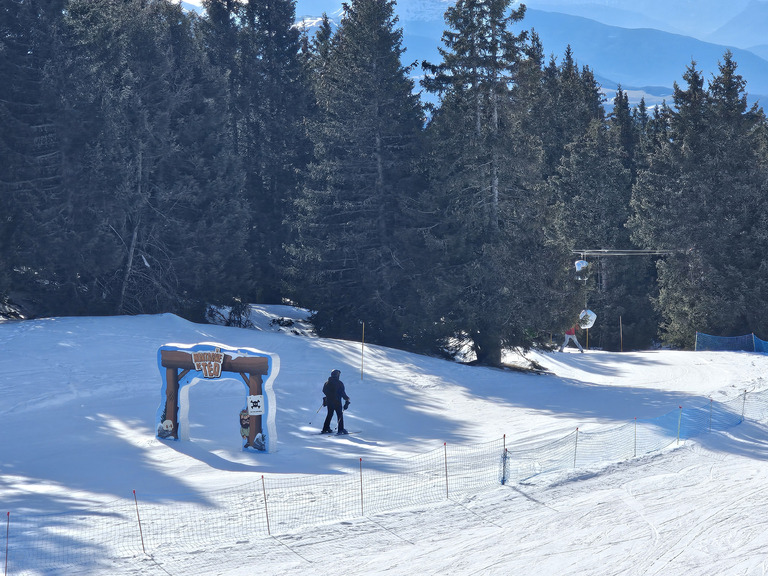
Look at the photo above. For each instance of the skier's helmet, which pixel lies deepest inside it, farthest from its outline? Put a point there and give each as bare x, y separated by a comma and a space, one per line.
335, 373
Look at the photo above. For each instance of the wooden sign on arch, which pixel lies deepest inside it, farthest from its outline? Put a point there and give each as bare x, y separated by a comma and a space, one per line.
184, 364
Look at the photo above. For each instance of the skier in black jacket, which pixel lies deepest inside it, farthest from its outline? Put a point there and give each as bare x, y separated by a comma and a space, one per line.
334, 391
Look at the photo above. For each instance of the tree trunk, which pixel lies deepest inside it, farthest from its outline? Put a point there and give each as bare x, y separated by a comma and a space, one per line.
494, 165
487, 349
494, 143
128, 265
131, 250
383, 206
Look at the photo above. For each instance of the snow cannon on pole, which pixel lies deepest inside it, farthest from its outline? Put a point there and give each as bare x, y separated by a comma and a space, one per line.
582, 272
586, 321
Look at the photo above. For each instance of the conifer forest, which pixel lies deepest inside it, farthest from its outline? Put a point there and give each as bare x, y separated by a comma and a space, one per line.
156, 160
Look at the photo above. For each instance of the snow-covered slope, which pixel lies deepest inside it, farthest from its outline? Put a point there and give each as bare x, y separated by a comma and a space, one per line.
79, 397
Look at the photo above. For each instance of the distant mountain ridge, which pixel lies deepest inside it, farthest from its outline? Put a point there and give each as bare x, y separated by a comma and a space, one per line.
643, 45
747, 29
737, 23
695, 18
642, 57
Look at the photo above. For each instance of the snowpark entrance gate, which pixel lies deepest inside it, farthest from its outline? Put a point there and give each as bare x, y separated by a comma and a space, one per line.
182, 365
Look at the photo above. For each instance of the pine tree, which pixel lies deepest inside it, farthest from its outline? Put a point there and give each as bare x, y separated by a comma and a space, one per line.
351, 248
622, 121
644, 122
702, 195
595, 185
221, 32
273, 105
146, 222
497, 277
635, 322
31, 165
573, 101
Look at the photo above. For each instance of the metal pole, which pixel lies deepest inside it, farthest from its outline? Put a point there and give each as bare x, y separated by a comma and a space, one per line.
621, 335
141, 533
744, 406
445, 453
576, 448
7, 534
504, 463
362, 512
266, 511
504, 471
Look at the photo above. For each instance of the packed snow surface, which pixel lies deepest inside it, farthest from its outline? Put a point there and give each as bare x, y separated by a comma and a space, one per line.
77, 424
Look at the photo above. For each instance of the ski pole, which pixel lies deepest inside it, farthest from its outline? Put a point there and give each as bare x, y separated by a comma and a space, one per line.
318, 410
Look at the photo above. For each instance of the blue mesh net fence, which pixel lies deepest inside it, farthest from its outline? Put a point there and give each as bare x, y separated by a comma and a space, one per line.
745, 343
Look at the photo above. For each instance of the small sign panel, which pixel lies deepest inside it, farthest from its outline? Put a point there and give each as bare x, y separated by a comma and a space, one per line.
255, 405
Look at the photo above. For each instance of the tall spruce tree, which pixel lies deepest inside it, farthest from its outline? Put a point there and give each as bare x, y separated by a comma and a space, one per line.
624, 122
220, 29
147, 223
595, 185
571, 100
273, 102
497, 277
643, 121
352, 252
30, 147
631, 320
703, 195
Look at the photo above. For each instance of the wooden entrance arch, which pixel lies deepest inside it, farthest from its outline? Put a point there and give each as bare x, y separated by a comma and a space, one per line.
182, 364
